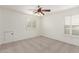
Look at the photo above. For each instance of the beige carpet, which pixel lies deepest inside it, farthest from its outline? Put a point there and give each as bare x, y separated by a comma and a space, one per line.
38, 45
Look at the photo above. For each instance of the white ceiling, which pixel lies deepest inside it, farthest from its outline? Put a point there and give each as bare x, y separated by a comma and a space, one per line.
28, 8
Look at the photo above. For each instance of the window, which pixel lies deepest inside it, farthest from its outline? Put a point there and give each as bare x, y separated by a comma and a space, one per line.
67, 26
71, 26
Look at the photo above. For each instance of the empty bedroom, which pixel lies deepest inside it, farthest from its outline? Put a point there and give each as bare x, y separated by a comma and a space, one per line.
39, 29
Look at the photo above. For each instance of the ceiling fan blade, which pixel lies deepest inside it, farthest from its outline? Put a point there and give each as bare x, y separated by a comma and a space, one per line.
42, 13
46, 10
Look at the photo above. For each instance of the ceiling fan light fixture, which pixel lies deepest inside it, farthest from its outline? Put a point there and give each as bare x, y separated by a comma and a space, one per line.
38, 14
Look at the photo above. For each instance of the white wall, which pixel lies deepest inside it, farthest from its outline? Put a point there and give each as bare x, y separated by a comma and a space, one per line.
1, 27
16, 22
53, 26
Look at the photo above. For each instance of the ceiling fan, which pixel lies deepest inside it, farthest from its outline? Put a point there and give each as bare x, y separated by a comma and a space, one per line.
41, 10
